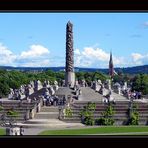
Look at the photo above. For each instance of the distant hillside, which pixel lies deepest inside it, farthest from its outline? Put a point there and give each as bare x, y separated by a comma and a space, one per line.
134, 70
128, 70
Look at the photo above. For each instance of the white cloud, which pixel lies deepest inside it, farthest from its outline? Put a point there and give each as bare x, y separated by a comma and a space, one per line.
39, 56
36, 56
136, 56
77, 52
97, 53
95, 58
34, 51
139, 59
6, 56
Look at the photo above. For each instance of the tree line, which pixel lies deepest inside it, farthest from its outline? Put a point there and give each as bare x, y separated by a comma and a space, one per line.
14, 79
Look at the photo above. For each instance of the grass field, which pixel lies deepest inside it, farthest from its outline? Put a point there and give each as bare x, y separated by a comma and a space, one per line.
2, 132
129, 130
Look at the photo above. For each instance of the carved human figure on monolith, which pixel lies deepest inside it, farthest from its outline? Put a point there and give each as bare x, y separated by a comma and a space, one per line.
70, 76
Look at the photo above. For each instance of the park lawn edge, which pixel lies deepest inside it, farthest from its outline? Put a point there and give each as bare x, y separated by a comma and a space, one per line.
99, 130
2, 131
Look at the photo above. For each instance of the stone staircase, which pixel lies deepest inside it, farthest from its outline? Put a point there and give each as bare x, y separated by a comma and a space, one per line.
22, 108
120, 116
48, 118
48, 113
89, 94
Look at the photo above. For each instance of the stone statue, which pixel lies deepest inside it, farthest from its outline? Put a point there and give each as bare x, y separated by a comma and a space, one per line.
37, 85
52, 92
55, 82
83, 83
108, 84
10, 95
124, 86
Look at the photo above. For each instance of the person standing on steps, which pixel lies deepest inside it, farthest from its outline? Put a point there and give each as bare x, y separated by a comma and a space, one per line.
21, 131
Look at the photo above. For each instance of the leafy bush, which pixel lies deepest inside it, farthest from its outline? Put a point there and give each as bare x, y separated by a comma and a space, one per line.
105, 121
134, 120
1, 108
109, 111
107, 117
91, 106
12, 113
134, 115
87, 114
68, 112
89, 121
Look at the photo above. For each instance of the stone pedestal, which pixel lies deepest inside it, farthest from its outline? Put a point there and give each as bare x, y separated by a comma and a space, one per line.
70, 79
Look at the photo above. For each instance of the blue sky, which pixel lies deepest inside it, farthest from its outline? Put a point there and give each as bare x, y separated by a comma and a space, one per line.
38, 39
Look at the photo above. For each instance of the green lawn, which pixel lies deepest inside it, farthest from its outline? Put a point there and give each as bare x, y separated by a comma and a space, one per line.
2, 132
129, 130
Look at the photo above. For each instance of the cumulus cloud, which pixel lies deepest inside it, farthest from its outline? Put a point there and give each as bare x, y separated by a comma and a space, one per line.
77, 52
136, 56
36, 56
7, 57
95, 57
139, 59
34, 51
99, 54
39, 56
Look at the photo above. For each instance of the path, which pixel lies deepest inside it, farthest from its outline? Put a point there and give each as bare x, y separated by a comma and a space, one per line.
47, 119
89, 94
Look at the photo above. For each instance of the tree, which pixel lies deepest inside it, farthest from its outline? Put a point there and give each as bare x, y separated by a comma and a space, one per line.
140, 83
50, 73
80, 75
100, 76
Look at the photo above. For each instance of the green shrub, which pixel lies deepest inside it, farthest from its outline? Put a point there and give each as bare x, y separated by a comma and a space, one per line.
12, 113
105, 121
109, 111
134, 120
87, 114
91, 106
134, 115
1, 108
68, 112
107, 117
89, 121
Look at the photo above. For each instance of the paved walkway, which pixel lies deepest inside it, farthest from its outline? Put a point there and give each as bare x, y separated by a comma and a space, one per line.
89, 94
35, 126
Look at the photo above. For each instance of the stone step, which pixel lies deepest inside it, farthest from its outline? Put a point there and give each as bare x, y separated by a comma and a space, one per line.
49, 109
50, 123
43, 121
97, 104
76, 120
44, 115
53, 126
